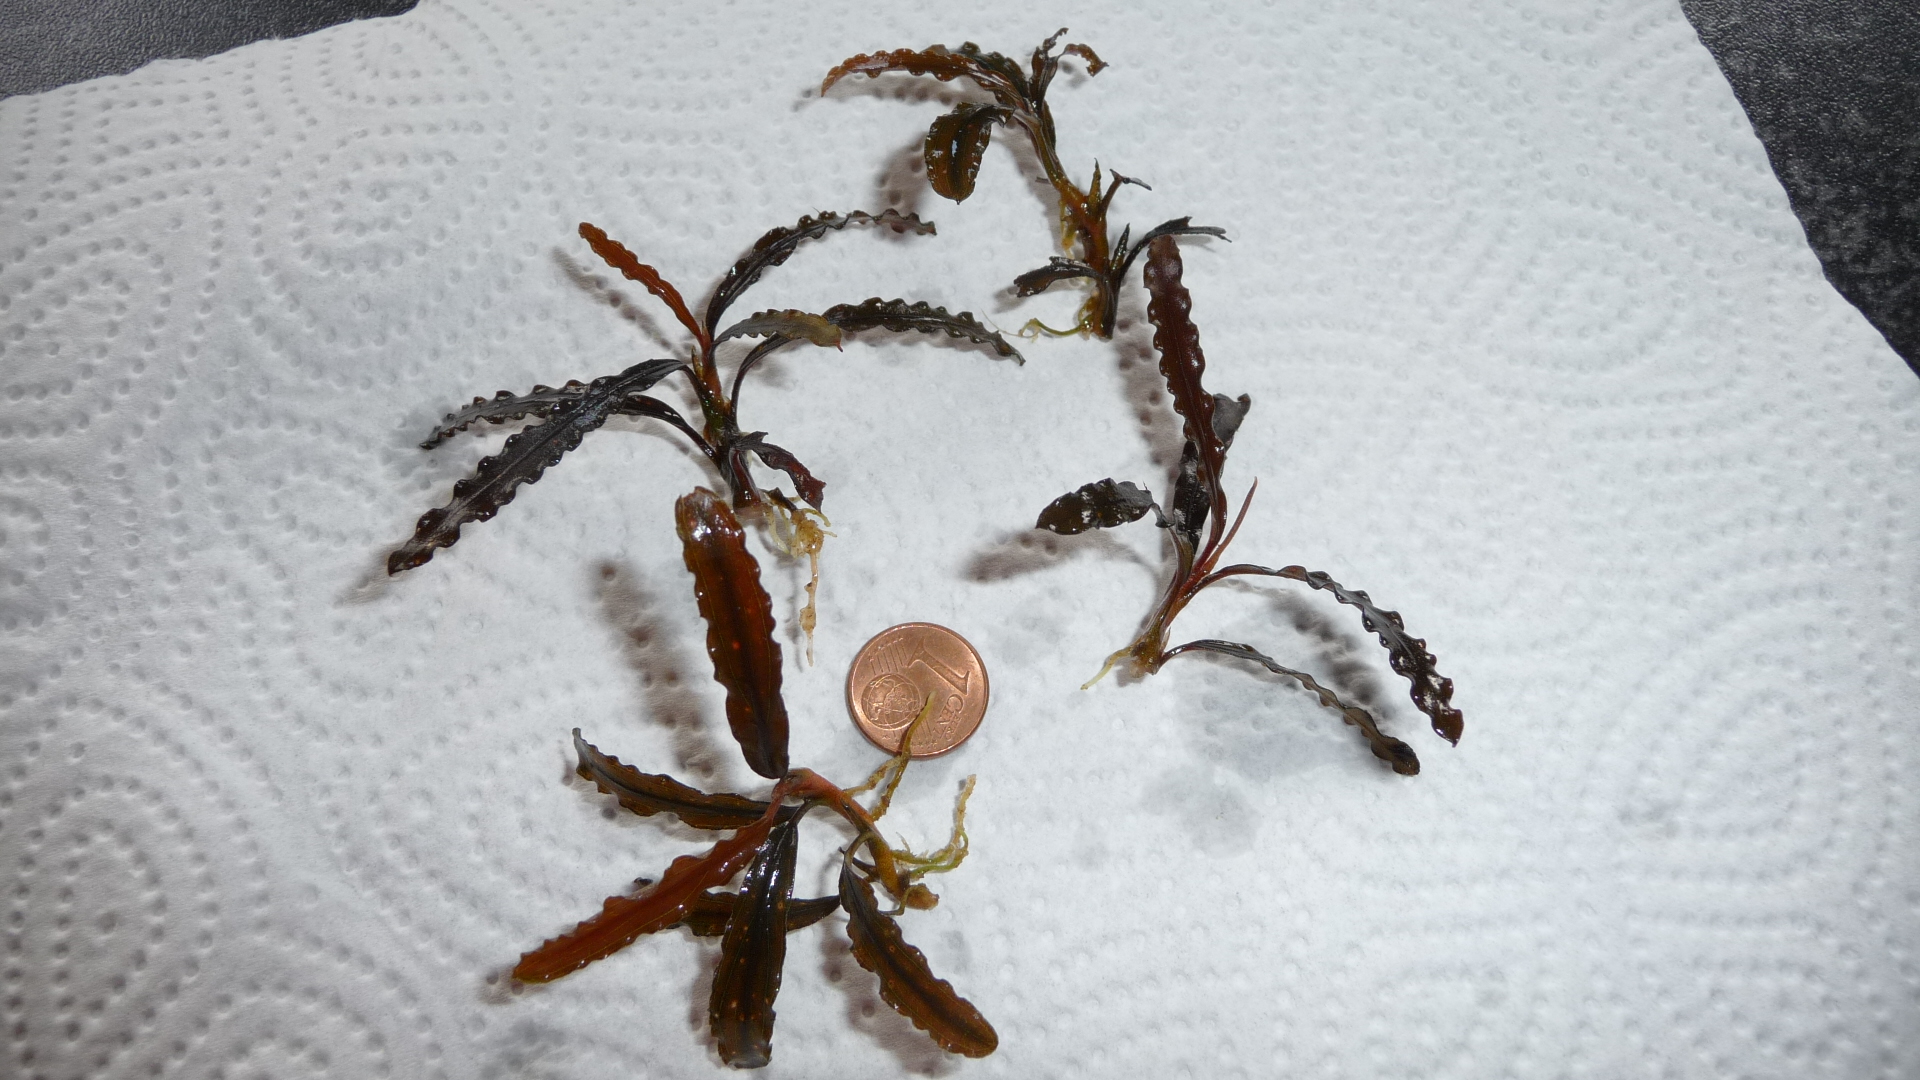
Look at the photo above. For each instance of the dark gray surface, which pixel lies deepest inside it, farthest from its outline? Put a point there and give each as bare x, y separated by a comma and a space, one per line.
1833, 89
49, 43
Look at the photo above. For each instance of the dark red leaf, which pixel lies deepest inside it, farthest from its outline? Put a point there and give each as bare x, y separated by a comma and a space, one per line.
618, 257
1182, 363
740, 1009
624, 918
906, 983
647, 794
759, 352
810, 487
647, 405
955, 144
746, 659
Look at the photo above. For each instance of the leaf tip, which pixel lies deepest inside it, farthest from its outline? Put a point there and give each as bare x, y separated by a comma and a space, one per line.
414, 553
1399, 755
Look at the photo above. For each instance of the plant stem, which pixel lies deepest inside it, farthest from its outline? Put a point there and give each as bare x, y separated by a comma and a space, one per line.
1148, 651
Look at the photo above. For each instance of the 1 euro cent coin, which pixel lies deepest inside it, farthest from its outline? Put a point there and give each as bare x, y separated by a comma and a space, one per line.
895, 674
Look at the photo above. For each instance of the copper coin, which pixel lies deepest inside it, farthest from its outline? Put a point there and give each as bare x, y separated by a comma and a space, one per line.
895, 673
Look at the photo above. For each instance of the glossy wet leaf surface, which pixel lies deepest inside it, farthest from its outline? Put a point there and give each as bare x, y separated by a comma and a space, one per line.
1182, 363
522, 460
1192, 497
990, 71
647, 794
1035, 282
623, 918
906, 983
1102, 504
794, 325
955, 144
901, 316
707, 916
752, 953
739, 615
616, 255
506, 407
811, 488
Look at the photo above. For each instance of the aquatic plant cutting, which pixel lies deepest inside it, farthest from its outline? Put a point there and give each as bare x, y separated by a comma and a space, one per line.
741, 890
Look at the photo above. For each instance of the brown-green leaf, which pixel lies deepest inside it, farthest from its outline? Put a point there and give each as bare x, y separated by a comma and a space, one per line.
746, 659
1385, 747
1094, 64
1102, 504
522, 460
647, 794
740, 1009
900, 316
906, 983
776, 245
797, 325
1046, 62
992, 72
955, 144
1432, 692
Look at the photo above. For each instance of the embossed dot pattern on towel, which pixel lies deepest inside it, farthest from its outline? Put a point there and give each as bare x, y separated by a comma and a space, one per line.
1538, 358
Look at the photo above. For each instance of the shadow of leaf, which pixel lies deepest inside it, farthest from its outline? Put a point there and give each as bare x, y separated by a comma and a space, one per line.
582, 275
1030, 551
631, 608
867, 1014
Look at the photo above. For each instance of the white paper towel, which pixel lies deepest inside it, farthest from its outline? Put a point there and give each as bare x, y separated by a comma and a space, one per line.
1538, 357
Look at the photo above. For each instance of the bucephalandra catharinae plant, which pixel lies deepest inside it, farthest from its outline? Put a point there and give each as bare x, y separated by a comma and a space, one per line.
754, 920
958, 140
754, 917
954, 147
562, 416
1196, 522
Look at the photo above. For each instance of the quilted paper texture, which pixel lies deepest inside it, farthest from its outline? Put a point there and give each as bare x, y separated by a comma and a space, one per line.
1538, 357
